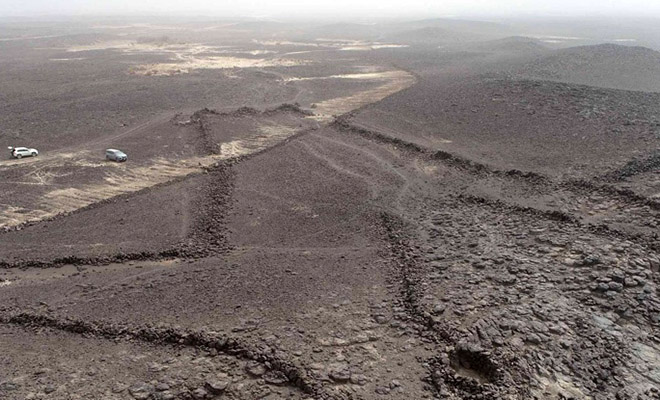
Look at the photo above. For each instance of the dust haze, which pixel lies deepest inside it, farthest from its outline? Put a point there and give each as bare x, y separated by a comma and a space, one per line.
329, 200
363, 9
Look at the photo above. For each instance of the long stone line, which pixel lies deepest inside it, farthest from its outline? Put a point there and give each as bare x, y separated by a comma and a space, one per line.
296, 375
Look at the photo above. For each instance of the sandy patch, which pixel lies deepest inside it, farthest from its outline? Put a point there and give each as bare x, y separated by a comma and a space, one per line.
257, 52
126, 178
113, 26
329, 40
13, 39
68, 59
128, 46
394, 81
270, 135
386, 75
287, 43
11, 215
191, 64
369, 47
337, 44
301, 52
16, 161
389, 46
247, 52
187, 57
44, 160
551, 37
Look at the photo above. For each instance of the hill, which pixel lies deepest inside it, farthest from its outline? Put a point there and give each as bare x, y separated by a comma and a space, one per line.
446, 31
433, 36
605, 65
512, 44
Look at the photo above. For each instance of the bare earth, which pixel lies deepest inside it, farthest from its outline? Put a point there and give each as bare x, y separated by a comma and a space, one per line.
306, 215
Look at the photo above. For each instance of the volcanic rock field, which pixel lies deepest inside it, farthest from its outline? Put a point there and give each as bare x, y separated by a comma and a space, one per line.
428, 210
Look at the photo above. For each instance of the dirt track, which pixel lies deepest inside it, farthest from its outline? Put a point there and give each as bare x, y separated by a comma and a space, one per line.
411, 248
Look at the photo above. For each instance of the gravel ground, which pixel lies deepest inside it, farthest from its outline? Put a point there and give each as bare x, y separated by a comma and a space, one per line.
473, 236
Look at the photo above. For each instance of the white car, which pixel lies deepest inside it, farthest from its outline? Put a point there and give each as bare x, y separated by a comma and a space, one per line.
20, 152
115, 155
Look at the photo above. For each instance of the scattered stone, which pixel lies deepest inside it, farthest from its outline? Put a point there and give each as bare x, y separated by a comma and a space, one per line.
118, 388
340, 374
358, 379
255, 368
141, 391
630, 282
439, 308
217, 386
200, 394
380, 318
8, 386
382, 390
533, 338
276, 378
602, 287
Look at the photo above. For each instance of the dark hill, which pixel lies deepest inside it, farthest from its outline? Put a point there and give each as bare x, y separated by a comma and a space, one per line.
605, 65
512, 44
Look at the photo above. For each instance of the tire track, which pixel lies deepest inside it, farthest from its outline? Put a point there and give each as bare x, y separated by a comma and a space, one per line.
600, 204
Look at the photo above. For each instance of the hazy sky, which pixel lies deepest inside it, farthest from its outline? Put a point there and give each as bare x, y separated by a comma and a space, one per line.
362, 8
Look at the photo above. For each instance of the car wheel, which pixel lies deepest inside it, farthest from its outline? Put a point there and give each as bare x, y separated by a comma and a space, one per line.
19, 156
34, 154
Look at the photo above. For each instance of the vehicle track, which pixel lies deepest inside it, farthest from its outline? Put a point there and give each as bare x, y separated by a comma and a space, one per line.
615, 207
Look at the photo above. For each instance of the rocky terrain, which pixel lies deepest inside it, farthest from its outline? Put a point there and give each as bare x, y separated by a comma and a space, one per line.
606, 65
371, 219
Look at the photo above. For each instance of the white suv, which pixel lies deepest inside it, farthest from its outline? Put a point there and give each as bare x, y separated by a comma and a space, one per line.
20, 152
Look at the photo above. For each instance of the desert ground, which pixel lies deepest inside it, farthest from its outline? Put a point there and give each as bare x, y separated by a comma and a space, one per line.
435, 209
